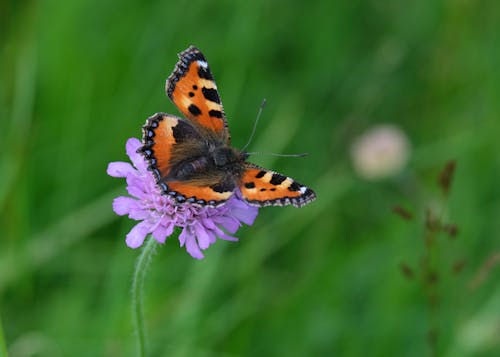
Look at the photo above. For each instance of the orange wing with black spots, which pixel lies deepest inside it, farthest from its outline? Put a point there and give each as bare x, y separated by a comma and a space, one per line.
164, 136
159, 141
192, 88
200, 194
261, 187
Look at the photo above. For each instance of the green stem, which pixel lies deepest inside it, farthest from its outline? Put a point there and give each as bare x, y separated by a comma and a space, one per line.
3, 345
137, 289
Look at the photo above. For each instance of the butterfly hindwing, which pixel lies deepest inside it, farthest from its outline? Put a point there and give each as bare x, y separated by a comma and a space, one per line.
201, 193
192, 88
261, 187
170, 143
168, 140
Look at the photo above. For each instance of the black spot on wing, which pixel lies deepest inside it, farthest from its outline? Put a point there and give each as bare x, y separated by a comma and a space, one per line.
294, 186
250, 185
195, 87
211, 94
191, 94
193, 109
277, 179
260, 174
186, 57
215, 113
205, 73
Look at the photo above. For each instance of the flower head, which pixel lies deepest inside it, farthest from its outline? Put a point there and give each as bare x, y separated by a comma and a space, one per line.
380, 152
159, 214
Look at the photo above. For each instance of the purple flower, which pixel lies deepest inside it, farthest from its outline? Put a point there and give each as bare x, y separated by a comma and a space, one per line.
159, 214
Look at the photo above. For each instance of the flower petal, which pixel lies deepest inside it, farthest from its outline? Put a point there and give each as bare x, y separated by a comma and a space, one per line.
136, 236
211, 236
136, 190
202, 236
208, 223
120, 169
244, 212
183, 236
222, 235
192, 246
229, 223
137, 159
162, 232
139, 213
122, 205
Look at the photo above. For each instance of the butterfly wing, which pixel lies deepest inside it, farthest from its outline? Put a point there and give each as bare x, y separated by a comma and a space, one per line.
261, 187
192, 88
171, 144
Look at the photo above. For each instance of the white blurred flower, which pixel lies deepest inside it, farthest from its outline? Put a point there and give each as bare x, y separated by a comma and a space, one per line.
380, 152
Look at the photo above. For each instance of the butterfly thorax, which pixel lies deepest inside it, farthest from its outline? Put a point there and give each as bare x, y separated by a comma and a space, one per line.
224, 156
219, 158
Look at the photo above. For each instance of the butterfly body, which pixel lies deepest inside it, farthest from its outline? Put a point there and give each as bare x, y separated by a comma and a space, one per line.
192, 159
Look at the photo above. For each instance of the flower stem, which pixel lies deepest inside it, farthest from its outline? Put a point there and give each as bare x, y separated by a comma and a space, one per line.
137, 293
3, 345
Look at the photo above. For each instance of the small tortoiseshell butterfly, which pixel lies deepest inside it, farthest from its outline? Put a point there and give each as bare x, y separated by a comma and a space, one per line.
192, 159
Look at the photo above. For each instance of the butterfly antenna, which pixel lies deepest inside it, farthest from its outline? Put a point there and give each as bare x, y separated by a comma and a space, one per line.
280, 155
255, 124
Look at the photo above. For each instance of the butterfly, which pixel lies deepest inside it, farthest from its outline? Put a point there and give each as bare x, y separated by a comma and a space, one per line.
192, 159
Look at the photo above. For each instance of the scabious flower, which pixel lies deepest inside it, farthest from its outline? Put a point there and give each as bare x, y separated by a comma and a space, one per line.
159, 214
380, 152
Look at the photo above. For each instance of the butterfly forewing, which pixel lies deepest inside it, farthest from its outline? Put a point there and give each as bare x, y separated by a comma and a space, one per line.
192, 88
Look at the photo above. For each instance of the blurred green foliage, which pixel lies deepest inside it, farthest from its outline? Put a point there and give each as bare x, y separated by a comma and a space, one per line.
78, 78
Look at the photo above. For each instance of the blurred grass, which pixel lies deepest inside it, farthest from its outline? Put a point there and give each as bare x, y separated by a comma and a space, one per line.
3, 344
78, 78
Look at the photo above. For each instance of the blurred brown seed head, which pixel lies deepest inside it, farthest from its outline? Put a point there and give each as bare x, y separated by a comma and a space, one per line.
432, 222
451, 229
484, 271
406, 271
458, 266
434, 300
432, 277
432, 337
403, 213
446, 176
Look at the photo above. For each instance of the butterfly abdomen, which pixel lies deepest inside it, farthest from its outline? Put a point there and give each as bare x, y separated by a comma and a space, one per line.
187, 170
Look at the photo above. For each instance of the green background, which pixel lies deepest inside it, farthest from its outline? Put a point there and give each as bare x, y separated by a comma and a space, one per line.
78, 78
